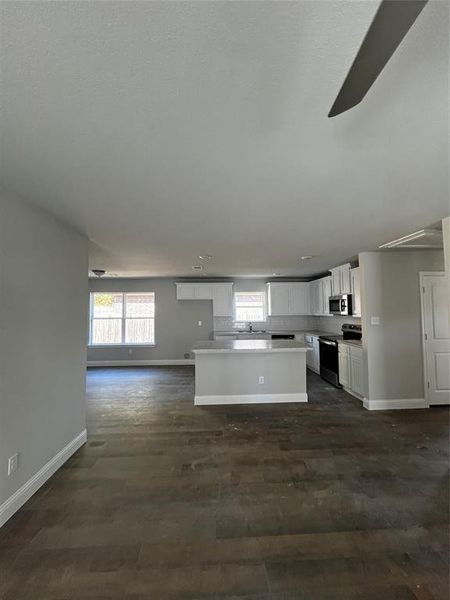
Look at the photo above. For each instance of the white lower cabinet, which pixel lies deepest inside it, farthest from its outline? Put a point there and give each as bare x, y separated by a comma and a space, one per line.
316, 353
351, 368
356, 368
313, 354
344, 379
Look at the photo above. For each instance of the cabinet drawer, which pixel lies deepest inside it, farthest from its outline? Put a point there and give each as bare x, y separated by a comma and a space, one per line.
344, 349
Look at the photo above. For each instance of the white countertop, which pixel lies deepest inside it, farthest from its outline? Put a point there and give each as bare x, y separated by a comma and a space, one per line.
230, 332
248, 346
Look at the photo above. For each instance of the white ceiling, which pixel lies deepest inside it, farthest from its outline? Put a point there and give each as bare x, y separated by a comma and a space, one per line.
164, 130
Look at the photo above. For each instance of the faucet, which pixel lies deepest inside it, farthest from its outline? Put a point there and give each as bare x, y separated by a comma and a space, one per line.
250, 327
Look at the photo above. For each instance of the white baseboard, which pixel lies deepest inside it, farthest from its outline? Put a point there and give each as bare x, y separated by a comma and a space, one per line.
395, 404
24, 493
140, 363
250, 399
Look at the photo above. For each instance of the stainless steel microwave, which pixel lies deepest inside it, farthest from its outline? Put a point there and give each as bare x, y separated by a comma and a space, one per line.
340, 305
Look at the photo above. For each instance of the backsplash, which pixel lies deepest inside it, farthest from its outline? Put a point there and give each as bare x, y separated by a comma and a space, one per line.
329, 324
274, 323
334, 324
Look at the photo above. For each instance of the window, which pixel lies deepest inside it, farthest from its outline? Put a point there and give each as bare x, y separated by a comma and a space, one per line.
118, 318
249, 306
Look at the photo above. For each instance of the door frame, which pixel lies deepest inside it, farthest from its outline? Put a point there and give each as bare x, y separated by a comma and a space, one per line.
422, 276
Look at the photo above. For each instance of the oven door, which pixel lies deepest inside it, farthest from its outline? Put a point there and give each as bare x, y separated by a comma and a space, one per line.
329, 361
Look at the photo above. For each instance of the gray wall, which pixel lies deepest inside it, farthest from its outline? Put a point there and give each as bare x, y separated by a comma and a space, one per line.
393, 349
176, 322
43, 311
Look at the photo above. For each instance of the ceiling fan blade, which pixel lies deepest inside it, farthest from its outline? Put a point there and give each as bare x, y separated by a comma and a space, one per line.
391, 23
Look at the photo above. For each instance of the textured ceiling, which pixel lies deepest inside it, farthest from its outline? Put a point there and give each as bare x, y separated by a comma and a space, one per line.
165, 130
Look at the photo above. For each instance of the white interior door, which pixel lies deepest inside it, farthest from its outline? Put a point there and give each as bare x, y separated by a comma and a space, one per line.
436, 337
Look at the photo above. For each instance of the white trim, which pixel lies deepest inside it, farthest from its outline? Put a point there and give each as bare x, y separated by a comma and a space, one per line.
395, 404
123, 319
422, 276
263, 293
140, 363
24, 493
250, 399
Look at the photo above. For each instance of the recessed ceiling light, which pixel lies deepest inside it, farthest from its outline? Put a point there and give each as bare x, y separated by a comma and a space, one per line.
306, 257
205, 257
197, 268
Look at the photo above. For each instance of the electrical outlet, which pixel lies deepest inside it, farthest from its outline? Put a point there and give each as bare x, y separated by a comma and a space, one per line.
130, 351
13, 463
374, 320
261, 379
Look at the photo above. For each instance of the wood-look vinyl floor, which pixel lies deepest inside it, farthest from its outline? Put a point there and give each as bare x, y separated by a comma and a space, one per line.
323, 501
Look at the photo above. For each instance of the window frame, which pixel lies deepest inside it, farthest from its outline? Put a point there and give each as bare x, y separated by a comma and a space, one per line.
261, 293
123, 320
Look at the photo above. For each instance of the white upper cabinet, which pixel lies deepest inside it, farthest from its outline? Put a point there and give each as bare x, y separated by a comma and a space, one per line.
299, 299
186, 291
346, 286
326, 293
220, 293
288, 298
278, 299
356, 291
204, 291
335, 281
340, 280
320, 291
314, 297
223, 299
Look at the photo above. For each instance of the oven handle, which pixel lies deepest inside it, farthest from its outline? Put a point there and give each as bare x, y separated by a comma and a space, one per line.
327, 343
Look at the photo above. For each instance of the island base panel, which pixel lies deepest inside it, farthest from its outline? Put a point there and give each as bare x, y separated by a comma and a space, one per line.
234, 378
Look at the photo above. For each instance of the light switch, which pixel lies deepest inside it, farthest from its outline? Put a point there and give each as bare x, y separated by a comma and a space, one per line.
374, 320
200, 323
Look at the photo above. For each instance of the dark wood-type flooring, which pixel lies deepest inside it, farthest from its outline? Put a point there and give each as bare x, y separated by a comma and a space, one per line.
324, 501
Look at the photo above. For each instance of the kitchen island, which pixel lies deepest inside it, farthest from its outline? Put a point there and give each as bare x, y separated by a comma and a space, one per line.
250, 371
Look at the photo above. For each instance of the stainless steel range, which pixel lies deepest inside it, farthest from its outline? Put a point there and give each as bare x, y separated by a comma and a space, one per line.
329, 353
